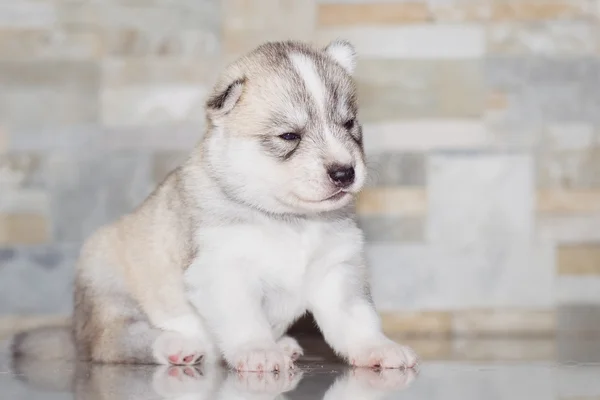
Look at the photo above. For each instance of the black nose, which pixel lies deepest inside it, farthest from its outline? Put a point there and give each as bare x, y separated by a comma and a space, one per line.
341, 175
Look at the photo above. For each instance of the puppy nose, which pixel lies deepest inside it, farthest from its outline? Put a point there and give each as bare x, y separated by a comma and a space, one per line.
341, 175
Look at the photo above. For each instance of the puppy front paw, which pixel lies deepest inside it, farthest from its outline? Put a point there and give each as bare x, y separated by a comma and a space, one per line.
383, 354
178, 349
261, 358
291, 347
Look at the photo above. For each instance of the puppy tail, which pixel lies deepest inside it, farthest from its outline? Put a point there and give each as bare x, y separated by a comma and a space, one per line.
44, 344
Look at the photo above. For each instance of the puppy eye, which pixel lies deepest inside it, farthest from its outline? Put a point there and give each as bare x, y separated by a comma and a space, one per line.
349, 124
290, 136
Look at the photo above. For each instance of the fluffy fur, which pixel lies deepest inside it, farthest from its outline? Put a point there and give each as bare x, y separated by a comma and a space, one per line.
253, 230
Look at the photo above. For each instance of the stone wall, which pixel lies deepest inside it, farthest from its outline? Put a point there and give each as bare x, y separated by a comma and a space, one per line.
482, 126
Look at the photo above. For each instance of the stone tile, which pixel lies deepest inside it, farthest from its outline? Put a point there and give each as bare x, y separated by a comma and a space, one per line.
460, 10
424, 277
153, 104
506, 73
195, 44
95, 139
165, 162
543, 38
49, 44
569, 169
124, 72
177, 30
427, 345
176, 16
425, 135
51, 93
3, 140
531, 10
372, 14
38, 280
10, 325
565, 202
20, 170
578, 259
16, 200
27, 14
504, 349
578, 290
394, 169
573, 228
17, 229
578, 319
87, 191
569, 137
394, 89
417, 323
504, 322
390, 229
419, 41
392, 201
249, 24
492, 191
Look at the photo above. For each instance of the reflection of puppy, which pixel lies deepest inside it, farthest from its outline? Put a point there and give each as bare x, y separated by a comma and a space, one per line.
256, 227
368, 384
147, 382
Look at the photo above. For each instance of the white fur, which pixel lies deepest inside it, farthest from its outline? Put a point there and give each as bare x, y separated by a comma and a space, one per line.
343, 53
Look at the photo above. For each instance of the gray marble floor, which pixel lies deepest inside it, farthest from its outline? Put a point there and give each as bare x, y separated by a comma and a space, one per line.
553, 371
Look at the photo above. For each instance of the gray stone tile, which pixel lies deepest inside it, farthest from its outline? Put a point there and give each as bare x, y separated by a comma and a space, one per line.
43, 94
413, 276
394, 169
91, 190
578, 319
186, 30
165, 162
392, 229
480, 199
37, 279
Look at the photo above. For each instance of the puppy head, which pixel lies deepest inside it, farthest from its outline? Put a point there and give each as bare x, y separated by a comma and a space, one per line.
283, 131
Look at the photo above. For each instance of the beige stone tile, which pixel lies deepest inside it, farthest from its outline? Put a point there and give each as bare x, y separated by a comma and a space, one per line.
394, 89
460, 10
392, 201
372, 13
557, 201
503, 322
417, 323
503, 349
24, 229
10, 325
578, 259
429, 349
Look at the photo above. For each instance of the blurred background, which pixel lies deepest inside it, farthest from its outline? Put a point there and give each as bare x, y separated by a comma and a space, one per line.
481, 122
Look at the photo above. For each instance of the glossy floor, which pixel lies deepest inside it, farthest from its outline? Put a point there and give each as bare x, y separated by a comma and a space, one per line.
465, 370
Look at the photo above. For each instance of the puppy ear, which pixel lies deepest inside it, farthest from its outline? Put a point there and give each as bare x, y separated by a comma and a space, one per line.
342, 52
224, 98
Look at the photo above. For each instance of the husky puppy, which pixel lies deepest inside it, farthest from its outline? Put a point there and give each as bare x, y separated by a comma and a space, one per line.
253, 230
